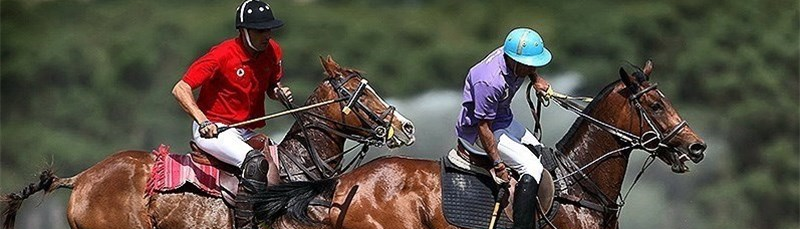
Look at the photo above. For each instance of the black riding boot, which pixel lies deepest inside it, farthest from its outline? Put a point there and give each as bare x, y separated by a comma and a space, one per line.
253, 180
525, 203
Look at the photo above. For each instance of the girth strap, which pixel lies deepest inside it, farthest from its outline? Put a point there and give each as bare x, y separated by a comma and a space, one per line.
577, 201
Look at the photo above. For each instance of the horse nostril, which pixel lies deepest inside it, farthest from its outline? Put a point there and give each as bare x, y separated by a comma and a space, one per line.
408, 128
697, 148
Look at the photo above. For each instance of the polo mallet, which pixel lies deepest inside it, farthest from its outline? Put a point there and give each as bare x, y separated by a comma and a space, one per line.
496, 211
354, 98
282, 113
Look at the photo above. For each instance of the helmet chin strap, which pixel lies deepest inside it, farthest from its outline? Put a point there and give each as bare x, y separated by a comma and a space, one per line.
514, 69
249, 42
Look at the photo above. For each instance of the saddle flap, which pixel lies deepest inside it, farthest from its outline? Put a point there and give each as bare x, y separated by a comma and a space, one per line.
547, 192
230, 187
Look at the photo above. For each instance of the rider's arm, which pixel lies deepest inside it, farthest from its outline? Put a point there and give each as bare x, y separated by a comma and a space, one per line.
490, 146
487, 139
183, 93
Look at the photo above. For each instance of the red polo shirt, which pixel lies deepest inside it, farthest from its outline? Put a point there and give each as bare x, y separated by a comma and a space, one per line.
234, 83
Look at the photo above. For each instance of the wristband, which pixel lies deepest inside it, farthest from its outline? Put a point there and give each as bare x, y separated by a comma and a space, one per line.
205, 124
497, 162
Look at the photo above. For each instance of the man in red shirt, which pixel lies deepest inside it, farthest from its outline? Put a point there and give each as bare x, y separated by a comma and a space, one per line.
234, 77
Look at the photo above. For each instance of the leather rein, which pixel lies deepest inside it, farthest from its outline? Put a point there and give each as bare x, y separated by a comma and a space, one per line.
650, 141
378, 133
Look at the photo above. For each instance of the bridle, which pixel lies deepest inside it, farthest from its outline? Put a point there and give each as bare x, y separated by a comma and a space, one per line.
650, 141
378, 132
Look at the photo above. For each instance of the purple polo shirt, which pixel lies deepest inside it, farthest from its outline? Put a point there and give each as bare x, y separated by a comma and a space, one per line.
488, 91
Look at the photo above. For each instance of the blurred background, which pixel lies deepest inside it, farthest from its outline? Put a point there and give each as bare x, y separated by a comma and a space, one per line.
82, 79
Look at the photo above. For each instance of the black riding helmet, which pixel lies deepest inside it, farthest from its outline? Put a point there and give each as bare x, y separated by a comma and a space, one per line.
256, 15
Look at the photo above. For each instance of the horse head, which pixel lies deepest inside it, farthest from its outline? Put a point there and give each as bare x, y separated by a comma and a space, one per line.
661, 129
362, 108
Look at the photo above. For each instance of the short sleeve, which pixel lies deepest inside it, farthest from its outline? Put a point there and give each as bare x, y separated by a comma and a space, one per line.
486, 98
202, 70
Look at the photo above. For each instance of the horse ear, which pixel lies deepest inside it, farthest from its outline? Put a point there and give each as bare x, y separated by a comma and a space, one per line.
648, 68
629, 80
331, 68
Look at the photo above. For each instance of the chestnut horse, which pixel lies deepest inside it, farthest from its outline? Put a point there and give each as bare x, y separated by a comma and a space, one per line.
398, 192
111, 194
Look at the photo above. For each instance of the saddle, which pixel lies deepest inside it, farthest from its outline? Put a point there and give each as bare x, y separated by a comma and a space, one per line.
210, 175
470, 189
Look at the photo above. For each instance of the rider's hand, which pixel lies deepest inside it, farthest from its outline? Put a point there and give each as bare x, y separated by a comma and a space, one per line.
542, 86
208, 129
285, 91
501, 172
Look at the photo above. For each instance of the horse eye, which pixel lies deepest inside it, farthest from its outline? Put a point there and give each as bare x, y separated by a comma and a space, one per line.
656, 106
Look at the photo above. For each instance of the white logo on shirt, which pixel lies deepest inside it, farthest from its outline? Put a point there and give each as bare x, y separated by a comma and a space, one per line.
240, 72
505, 94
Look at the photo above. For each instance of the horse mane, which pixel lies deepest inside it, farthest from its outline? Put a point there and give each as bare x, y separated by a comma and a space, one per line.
579, 121
291, 200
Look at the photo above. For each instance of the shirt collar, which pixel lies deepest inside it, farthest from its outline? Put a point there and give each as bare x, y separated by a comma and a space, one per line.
501, 63
243, 49
508, 76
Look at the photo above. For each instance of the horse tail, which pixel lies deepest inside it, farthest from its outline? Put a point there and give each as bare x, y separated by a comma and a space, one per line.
292, 200
47, 182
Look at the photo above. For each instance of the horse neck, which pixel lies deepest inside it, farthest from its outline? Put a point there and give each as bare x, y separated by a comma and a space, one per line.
325, 144
591, 142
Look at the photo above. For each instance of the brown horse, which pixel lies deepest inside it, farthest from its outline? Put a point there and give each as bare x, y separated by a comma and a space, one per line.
111, 194
398, 192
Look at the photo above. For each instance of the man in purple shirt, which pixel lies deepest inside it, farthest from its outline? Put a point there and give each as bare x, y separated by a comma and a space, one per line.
486, 115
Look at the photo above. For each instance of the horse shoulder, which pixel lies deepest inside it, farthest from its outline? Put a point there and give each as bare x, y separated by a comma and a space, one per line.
385, 187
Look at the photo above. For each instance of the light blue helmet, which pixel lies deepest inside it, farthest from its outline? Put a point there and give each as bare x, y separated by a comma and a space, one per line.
526, 47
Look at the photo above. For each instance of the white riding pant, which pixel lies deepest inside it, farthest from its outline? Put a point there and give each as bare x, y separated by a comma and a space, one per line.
514, 154
229, 146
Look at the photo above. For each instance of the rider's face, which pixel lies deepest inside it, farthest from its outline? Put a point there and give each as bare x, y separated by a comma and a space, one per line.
521, 70
260, 38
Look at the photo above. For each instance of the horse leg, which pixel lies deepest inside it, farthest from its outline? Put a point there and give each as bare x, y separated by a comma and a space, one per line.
111, 194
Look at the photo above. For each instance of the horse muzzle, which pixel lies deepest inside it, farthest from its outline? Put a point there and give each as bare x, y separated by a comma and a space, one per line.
696, 152
402, 135
677, 157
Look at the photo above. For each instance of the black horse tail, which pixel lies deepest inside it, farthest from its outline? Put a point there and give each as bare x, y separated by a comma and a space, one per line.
13, 201
291, 200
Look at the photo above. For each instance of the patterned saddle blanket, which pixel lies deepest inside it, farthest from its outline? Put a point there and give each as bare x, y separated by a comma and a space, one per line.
173, 171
